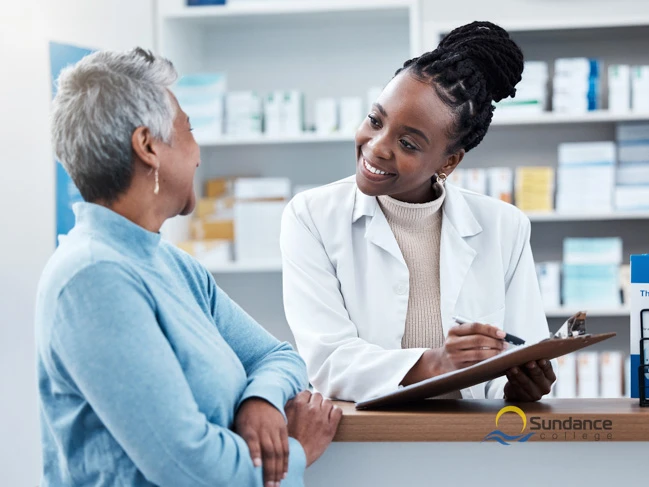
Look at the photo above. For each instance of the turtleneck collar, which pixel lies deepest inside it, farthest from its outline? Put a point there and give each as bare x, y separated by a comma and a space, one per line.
128, 237
413, 215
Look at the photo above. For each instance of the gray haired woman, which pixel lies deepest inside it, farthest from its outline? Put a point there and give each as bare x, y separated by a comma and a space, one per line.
149, 374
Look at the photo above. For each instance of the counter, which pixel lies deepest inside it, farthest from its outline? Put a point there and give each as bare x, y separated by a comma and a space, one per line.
448, 442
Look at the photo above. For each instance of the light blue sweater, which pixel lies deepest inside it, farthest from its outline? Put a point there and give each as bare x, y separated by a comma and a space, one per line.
143, 362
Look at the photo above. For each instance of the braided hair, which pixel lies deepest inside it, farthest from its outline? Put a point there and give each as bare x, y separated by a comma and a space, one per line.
473, 66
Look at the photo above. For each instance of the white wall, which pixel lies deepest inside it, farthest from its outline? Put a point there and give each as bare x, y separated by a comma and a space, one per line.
27, 190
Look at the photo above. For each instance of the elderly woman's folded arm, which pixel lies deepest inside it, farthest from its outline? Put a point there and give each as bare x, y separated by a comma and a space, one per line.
107, 342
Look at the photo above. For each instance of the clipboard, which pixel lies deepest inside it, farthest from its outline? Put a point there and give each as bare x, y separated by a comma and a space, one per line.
484, 371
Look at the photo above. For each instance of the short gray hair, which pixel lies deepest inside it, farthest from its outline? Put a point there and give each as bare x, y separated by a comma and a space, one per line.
100, 101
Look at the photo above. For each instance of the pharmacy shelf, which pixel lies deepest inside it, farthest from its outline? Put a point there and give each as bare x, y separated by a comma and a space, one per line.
305, 138
246, 267
565, 312
537, 25
550, 118
546, 118
583, 217
286, 7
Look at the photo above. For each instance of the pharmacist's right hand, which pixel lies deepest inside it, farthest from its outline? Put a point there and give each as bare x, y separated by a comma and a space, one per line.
469, 344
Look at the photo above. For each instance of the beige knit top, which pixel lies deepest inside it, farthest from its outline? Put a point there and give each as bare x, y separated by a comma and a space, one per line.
417, 229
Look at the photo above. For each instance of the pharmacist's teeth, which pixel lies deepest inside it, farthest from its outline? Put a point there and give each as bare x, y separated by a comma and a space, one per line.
373, 169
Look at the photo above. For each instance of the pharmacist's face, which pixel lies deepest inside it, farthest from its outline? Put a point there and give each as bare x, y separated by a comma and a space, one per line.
402, 143
178, 163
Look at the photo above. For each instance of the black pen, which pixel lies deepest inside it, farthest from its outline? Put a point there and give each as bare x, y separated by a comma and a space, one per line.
514, 340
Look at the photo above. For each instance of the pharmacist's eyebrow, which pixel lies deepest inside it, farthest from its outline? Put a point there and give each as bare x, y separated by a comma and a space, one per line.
412, 130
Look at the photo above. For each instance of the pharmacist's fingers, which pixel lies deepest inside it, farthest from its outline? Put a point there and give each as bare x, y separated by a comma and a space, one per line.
519, 388
548, 371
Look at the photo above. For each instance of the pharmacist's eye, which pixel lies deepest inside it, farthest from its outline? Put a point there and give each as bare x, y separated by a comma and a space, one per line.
407, 145
373, 121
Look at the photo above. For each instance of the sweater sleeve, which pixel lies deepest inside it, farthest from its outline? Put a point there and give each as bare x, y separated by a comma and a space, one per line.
275, 371
106, 337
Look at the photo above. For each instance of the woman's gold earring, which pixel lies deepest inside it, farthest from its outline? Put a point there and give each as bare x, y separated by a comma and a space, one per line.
441, 178
156, 188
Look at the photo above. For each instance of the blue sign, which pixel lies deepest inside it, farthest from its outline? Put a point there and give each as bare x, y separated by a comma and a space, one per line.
62, 55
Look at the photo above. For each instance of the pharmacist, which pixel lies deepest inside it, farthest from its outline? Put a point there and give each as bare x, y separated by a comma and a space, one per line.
376, 266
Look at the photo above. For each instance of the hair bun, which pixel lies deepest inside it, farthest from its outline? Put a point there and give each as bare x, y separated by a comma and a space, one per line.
493, 52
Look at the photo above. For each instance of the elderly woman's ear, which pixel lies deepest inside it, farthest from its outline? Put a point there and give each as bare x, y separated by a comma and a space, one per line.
145, 147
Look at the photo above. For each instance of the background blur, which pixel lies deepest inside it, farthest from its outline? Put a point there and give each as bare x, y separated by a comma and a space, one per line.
327, 54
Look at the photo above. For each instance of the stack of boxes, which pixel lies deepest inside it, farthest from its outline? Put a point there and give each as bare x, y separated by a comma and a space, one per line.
243, 114
586, 177
576, 85
284, 113
201, 97
591, 375
632, 190
259, 204
531, 92
238, 219
535, 189
591, 269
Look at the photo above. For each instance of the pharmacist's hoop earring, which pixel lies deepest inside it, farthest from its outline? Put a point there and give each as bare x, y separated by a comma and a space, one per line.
441, 178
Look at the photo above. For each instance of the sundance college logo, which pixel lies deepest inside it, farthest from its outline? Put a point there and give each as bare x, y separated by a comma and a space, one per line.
552, 429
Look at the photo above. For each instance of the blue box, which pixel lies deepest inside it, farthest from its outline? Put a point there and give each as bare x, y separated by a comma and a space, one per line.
195, 3
639, 315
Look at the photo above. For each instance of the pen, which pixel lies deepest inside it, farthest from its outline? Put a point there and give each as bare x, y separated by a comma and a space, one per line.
514, 340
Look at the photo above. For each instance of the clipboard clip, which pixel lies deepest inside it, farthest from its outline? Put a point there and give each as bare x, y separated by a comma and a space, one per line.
574, 326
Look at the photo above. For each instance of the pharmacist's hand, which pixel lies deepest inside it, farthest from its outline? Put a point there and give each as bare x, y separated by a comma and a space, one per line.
530, 382
469, 344
265, 431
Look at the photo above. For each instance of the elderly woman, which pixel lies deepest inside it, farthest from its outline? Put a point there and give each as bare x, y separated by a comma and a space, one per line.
149, 374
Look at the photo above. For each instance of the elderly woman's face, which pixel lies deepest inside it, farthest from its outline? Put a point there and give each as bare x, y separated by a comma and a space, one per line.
178, 163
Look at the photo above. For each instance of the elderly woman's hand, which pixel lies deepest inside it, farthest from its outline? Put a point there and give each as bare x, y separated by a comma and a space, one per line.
265, 431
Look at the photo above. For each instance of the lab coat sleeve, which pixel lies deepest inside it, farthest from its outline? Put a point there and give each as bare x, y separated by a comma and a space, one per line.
524, 311
339, 364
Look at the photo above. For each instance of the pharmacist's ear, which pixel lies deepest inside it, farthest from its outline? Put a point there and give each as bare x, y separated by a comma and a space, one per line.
452, 161
145, 147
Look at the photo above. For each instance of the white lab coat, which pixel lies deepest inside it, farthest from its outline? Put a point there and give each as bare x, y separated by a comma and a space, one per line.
346, 284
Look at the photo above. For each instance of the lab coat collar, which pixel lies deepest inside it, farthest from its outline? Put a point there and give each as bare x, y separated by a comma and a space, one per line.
456, 210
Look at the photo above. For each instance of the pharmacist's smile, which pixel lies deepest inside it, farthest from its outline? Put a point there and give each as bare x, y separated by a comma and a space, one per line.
373, 171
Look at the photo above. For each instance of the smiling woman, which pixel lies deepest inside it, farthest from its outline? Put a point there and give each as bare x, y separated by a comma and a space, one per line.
376, 266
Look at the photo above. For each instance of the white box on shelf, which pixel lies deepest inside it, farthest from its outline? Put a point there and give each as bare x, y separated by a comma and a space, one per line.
619, 88
262, 188
201, 97
566, 384
611, 373
476, 180
592, 251
640, 88
256, 230
633, 151
243, 113
351, 114
633, 174
326, 115
272, 113
576, 66
549, 276
632, 132
587, 375
292, 112
632, 198
501, 183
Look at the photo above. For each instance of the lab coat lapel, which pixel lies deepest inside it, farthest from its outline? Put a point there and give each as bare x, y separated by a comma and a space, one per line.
456, 254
